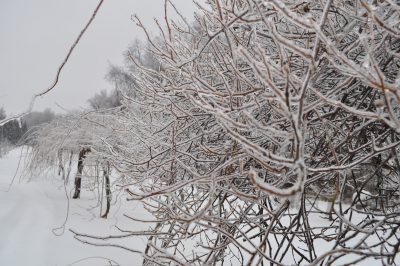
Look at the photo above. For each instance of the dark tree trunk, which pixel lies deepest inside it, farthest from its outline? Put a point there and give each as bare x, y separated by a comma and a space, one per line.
61, 169
106, 174
78, 177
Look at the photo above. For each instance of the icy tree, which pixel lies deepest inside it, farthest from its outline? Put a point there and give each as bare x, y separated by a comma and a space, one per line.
75, 141
103, 101
268, 134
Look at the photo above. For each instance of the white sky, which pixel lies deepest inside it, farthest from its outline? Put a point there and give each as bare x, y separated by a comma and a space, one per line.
35, 36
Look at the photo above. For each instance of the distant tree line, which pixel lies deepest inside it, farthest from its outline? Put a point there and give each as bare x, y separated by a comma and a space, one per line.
13, 131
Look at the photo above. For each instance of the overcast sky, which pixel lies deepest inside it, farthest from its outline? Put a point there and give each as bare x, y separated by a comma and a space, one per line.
35, 36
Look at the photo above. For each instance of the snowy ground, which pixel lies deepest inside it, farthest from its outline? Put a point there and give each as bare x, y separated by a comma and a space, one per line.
32, 214
31, 211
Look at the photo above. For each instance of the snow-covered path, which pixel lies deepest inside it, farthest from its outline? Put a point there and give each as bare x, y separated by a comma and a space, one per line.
31, 210
26, 220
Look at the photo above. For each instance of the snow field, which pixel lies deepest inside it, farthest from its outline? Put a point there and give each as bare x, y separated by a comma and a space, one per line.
31, 212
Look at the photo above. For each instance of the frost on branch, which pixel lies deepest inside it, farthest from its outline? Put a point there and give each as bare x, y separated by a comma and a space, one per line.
261, 130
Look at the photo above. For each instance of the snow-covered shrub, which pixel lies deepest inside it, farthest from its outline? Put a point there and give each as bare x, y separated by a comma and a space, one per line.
256, 107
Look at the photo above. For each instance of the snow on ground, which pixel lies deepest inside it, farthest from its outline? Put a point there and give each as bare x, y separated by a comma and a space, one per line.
31, 211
